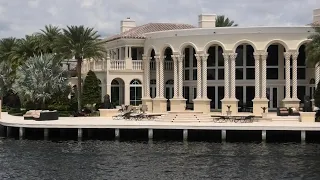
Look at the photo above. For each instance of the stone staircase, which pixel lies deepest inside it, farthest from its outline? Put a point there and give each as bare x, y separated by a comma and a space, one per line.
185, 116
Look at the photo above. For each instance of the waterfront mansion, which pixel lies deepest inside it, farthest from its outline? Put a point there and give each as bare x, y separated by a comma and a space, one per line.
176, 67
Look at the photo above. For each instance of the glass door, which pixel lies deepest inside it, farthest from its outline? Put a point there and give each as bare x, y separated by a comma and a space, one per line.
272, 95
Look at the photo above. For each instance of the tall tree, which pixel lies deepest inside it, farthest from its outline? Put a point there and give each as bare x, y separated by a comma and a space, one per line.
222, 21
313, 47
6, 47
81, 43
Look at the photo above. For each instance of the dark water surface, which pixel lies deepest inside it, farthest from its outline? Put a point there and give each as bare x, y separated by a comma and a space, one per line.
33, 160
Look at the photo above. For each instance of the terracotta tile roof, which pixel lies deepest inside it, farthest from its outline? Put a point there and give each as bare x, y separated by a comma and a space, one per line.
139, 31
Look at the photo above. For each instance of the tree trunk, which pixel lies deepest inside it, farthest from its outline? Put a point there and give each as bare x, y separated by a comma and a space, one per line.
79, 63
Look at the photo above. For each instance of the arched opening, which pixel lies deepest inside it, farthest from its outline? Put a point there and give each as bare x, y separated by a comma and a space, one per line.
135, 92
190, 74
215, 76
168, 61
275, 71
245, 75
303, 84
169, 89
117, 92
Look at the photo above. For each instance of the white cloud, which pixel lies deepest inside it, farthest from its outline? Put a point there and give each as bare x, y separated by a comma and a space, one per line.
105, 15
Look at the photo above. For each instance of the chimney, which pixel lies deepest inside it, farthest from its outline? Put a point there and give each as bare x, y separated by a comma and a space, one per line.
316, 16
207, 20
127, 24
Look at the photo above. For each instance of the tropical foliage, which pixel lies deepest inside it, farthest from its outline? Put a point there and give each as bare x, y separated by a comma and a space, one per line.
91, 89
53, 43
313, 47
223, 21
39, 78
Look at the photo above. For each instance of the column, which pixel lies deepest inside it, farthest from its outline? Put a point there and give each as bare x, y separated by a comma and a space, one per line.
257, 75
181, 72
175, 76
264, 56
287, 56
317, 74
199, 83
157, 59
126, 52
161, 77
233, 75
226, 75
146, 71
204, 76
130, 56
294, 74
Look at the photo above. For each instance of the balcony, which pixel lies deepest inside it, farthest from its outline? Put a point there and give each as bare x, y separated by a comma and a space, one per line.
135, 65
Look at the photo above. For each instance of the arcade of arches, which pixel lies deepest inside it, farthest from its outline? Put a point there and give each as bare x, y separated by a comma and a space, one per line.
216, 79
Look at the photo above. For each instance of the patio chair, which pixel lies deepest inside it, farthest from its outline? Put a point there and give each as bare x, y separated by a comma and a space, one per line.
282, 111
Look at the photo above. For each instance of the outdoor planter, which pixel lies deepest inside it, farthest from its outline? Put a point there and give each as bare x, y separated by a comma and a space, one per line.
108, 112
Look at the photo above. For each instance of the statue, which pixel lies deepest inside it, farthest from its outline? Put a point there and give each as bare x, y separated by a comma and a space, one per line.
106, 102
307, 104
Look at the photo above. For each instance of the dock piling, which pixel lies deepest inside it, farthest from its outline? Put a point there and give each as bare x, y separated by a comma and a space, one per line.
264, 135
223, 135
46, 133
21, 132
8, 131
117, 133
79, 134
303, 136
185, 134
150, 134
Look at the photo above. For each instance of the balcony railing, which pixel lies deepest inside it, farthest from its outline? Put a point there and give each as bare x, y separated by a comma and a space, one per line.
118, 64
137, 64
168, 65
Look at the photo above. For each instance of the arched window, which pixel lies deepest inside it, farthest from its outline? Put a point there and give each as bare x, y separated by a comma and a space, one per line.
135, 92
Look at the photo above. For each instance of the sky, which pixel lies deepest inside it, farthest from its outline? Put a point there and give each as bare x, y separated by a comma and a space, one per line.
21, 17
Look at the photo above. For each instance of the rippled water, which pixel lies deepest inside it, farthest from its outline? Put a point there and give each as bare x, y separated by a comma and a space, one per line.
158, 160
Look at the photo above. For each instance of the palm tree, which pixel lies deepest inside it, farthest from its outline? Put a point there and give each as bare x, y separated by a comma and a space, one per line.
81, 43
26, 47
6, 78
313, 47
39, 78
222, 21
48, 37
6, 47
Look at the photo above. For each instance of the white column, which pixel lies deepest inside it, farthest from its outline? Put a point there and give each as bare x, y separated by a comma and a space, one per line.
233, 75
175, 76
199, 83
146, 71
264, 56
204, 76
126, 52
287, 56
130, 55
157, 60
180, 75
226, 75
161, 77
294, 74
257, 74
317, 74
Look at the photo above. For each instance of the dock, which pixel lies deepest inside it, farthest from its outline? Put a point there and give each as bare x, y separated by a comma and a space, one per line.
82, 123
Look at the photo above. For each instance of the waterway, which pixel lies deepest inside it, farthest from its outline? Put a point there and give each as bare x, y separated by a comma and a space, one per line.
32, 159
